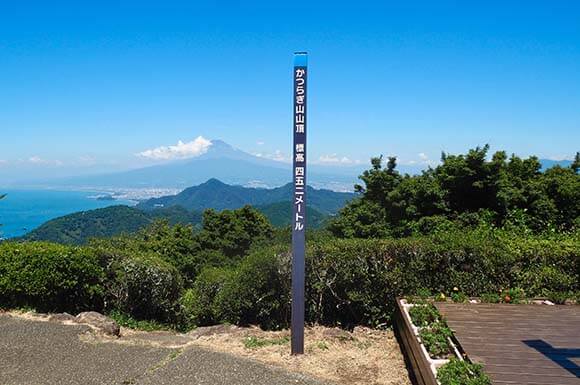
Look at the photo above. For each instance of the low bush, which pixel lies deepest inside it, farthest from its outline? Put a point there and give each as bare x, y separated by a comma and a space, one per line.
349, 282
254, 292
457, 372
258, 291
128, 321
435, 337
198, 303
50, 277
515, 295
142, 285
355, 282
458, 296
423, 315
490, 298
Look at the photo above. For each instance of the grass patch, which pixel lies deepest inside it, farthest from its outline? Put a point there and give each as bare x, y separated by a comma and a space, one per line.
127, 321
257, 342
322, 345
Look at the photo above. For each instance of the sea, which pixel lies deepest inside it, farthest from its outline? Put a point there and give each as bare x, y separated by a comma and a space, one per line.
23, 210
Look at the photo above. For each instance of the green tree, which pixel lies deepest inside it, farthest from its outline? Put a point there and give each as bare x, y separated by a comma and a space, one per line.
464, 190
232, 232
576, 164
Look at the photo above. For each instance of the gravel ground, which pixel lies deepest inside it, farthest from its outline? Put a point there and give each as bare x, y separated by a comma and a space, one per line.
38, 352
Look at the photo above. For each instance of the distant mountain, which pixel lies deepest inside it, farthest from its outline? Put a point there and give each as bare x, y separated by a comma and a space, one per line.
280, 215
221, 161
107, 222
186, 208
218, 195
548, 163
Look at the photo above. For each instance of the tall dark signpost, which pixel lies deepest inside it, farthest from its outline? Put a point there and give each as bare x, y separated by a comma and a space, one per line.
299, 201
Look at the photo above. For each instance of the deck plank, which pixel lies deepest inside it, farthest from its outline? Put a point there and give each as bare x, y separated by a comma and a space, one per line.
519, 344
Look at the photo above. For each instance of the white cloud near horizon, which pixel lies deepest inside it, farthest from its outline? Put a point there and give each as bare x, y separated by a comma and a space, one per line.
181, 150
278, 156
44, 162
335, 159
423, 160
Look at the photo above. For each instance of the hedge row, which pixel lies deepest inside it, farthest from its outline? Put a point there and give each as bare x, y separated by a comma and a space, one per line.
49, 277
54, 278
351, 282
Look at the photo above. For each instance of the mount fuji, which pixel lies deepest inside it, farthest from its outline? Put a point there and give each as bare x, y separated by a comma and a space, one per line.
221, 161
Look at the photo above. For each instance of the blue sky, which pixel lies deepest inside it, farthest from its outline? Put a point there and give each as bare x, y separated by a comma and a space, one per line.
88, 87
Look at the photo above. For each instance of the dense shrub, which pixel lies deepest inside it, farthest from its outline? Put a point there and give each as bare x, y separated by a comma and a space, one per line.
50, 277
349, 281
141, 284
352, 282
356, 281
198, 303
255, 292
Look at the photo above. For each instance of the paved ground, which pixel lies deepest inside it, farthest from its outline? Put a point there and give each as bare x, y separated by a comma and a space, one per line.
519, 344
39, 353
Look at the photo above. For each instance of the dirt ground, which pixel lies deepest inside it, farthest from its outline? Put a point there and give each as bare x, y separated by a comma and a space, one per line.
365, 356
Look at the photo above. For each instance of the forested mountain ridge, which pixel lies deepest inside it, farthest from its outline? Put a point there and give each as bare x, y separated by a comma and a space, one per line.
219, 196
78, 228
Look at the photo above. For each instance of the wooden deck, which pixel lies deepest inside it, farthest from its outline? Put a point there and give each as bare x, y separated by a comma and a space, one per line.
519, 344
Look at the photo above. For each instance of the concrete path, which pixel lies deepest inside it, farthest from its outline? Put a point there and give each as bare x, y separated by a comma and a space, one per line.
39, 353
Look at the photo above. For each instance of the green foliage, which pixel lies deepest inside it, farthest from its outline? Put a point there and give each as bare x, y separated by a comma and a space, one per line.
490, 298
280, 214
457, 372
435, 337
141, 284
464, 191
459, 297
217, 195
254, 292
79, 228
352, 282
197, 303
128, 321
559, 298
256, 342
258, 292
176, 245
50, 277
516, 295
232, 232
423, 315
223, 239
